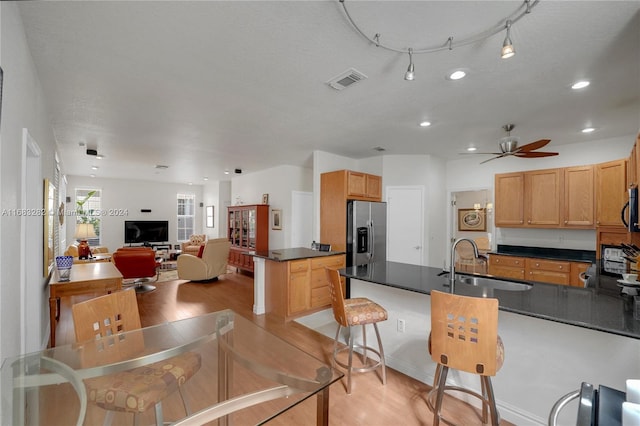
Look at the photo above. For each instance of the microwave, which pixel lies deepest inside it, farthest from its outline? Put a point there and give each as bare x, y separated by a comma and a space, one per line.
632, 205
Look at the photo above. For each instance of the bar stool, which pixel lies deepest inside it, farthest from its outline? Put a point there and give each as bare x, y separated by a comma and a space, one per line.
464, 336
353, 312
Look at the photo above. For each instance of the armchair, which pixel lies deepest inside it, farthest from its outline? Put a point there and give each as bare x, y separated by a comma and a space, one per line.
192, 245
212, 263
72, 250
137, 263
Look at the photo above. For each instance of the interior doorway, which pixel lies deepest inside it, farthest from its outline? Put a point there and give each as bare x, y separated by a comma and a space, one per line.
472, 217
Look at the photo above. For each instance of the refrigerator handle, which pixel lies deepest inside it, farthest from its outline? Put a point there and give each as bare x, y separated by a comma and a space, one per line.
371, 240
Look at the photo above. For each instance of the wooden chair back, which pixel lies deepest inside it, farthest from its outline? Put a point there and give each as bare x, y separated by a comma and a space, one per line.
106, 315
337, 297
464, 332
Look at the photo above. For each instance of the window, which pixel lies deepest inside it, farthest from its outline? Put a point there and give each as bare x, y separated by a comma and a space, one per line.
88, 211
186, 216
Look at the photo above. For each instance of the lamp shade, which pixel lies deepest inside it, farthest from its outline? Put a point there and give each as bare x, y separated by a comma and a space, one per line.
85, 231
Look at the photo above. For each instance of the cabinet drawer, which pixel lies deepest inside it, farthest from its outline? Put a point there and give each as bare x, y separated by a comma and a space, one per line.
507, 272
299, 265
512, 261
334, 262
549, 277
320, 297
548, 265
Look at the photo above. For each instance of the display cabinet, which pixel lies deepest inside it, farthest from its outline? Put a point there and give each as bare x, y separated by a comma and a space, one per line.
248, 230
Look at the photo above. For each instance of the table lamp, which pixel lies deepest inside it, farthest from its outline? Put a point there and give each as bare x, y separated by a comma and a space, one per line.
84, 231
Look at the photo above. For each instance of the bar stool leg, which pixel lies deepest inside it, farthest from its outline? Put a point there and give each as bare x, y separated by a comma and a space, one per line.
382, 361
495, 417
350, 363
364, 345
442, 382
335, 347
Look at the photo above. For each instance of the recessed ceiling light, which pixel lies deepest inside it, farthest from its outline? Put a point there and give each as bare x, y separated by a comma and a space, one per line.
190, 183
99, 157
588, 130
457, 75
205, 178
580, 84
92, 175
472, 148
94, 167
226, 172
425, 124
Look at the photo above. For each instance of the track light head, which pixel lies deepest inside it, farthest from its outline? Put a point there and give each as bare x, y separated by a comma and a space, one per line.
508, 50
409, 75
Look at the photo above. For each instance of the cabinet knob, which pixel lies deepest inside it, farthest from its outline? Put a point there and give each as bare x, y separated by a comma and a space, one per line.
521, 221
560, 266
497, 260
566, 221
529, 221
517, 262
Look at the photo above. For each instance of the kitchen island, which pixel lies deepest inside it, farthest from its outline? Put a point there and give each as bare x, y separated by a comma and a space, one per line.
555, 336
292, 282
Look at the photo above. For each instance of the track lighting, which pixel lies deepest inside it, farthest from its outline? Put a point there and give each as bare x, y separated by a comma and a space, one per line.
507, 47
409, 74
523, 9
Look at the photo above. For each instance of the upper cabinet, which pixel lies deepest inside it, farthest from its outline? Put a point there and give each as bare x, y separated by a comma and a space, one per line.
611, 192
579, 197
550, 198
363, 186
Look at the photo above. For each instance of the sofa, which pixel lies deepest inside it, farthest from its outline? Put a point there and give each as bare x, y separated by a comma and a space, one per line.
72, 250
192, 245
209, 266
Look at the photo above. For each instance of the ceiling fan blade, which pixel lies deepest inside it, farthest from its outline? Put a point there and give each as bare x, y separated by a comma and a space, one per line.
493, 158
533, 145
483, 153
534, 154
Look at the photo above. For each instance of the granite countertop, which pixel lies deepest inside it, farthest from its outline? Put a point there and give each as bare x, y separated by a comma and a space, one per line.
285, 255
600, 307
546, 253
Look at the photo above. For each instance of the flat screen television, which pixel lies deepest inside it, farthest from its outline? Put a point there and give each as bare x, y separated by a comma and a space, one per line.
146, 231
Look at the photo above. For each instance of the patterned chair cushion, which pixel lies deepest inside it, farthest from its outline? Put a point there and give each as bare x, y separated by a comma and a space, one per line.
138, 389
361, 310
197, 239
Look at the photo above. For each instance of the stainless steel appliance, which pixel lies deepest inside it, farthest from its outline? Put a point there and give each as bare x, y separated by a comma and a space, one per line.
632, 205
366, 232
596, 407
613, 260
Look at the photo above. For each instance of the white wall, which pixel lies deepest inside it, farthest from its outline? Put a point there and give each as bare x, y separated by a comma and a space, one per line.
22, 106
278, 182
133, 195
468, 174
218, 195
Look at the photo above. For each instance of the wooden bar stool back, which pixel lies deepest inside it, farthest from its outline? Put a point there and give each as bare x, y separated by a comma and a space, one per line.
464, 336
136, 390
353, 312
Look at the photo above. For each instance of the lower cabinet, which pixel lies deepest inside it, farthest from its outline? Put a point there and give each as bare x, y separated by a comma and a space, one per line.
299, 287
533, 269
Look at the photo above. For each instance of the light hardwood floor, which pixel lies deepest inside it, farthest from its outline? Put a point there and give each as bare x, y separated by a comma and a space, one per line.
400, 402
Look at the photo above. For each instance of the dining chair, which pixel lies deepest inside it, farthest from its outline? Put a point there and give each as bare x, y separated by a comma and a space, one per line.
349, 313
464, 336
136, 390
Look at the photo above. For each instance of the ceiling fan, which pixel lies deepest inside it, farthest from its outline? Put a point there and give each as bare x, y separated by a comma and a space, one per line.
509, 146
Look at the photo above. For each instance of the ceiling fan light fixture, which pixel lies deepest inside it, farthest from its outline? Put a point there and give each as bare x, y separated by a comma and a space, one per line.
508, 50
409, 75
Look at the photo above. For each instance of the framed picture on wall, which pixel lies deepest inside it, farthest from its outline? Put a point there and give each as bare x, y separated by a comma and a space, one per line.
276, 219
472, 220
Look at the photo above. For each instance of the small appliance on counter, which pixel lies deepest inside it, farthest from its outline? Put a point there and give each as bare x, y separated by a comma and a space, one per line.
596, 407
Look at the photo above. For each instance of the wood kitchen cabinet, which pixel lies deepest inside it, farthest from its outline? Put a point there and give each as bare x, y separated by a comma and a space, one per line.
298, 287
611, 192
529, 199
561, 272
579, 197
248, 230
507, 266
335, 189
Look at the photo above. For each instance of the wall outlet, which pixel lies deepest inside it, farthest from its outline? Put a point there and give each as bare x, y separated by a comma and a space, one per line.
401, 326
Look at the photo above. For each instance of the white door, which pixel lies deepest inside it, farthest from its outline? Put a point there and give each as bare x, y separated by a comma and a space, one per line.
301, 219
405, 224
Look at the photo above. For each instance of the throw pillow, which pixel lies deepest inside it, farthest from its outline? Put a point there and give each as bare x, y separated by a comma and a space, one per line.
196, 240
200, 251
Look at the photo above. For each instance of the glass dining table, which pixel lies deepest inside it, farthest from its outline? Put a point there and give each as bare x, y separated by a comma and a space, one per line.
247, 376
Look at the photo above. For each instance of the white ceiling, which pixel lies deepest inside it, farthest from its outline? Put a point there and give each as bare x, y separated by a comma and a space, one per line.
206, 86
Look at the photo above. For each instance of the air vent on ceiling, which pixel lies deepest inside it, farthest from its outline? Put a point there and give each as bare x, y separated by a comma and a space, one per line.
346, 79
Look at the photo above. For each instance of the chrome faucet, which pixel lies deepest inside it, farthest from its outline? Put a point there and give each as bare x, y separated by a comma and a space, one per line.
452, 268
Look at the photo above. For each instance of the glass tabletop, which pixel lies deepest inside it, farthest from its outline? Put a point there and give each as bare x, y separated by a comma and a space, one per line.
247, 375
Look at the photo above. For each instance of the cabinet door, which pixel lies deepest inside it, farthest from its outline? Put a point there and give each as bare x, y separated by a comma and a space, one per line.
374, 187
298, 292
356, 184
509, 205
579, 199
543, 192
576, 269
611, 192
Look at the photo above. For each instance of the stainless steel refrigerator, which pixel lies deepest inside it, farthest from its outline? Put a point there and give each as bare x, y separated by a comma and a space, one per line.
366, 232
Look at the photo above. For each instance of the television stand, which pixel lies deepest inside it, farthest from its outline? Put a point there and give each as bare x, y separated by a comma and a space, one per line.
161, 246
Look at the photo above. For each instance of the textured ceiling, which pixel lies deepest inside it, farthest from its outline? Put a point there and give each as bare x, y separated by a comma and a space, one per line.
206, 86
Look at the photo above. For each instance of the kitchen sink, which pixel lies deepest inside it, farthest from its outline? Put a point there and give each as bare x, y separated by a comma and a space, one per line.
491, 283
